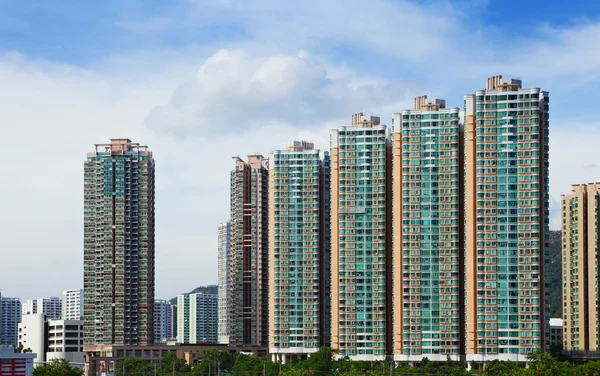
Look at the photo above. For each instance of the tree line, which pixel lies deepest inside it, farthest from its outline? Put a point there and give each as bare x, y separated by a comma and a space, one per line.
325, 362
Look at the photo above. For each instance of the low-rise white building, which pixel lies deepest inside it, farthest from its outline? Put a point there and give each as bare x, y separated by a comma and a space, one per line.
65, 340
32, 334
52, 339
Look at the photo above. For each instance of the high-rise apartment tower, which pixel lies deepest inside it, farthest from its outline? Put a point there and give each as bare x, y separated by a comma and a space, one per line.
249, 252
361, 239
72, 304
118, 245
506, 220
428, 211
299, 251
163, 329
198, 318
10, 315
50, 307
580, 221
224, 258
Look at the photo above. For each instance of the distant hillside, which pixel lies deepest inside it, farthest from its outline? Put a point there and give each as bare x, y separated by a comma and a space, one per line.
554, 275
210, 289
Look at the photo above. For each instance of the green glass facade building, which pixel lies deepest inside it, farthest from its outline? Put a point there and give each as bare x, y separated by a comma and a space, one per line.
506, 220
299, 251
361, 239
428, 211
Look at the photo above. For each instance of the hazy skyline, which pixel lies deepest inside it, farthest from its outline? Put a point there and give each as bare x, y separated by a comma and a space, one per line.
200, 82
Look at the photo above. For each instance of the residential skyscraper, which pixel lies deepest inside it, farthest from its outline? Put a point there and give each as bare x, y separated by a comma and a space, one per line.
173, 316
183, 318
72, 304
29, 307
10, 315
163, 322
224, 287
198, 318
118, 245
249, 252
428, 251
506, 220
361, 239
580, 222
50, 307
299, 251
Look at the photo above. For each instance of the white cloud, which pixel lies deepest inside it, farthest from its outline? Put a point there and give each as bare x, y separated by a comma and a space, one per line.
572, 148
234, 91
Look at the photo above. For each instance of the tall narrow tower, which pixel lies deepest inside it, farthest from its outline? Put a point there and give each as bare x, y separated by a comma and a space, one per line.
506, 220
118, 245
299, 251
580, 224
361, 239
428, 211
224, 257
249, 252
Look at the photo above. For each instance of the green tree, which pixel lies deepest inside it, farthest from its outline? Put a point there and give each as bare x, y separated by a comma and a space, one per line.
170, 364
297, 372
588, 369
248, 365
502, 368
320, 362
58, 367
215, 359
19, 349
544, 364
132, 366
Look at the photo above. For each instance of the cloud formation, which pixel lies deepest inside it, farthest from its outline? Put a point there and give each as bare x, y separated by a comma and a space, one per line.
234, 91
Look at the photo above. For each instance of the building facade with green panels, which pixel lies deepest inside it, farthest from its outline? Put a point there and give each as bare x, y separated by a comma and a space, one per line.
118, 245
506, 220
183, 318
427, 232
299, 251
197, 318
361, 322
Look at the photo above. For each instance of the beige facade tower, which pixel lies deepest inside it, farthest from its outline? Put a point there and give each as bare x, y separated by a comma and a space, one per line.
299, 251
580, 220
249, 252
506, 220
428, 247
361, 239
118, 283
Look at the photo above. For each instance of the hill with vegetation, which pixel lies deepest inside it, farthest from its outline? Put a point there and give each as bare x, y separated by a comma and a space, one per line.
554, 275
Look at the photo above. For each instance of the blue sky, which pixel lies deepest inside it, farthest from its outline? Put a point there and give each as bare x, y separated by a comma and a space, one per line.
201, 81
81, 32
